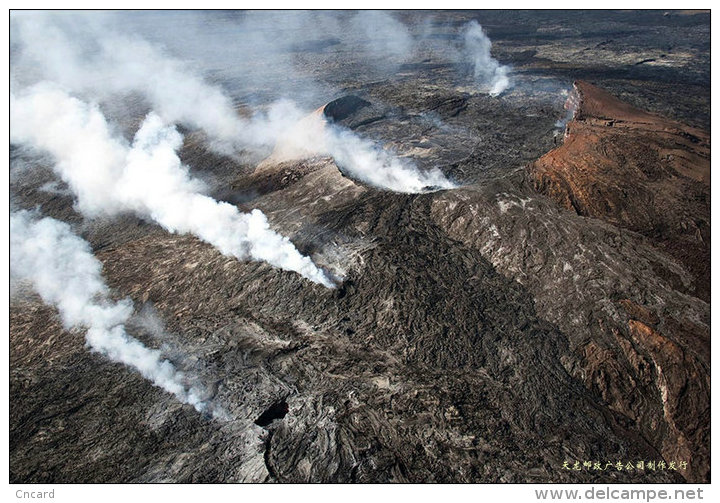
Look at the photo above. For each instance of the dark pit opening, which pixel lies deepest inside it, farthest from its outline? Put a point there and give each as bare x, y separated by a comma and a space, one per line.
344, 107
278, 410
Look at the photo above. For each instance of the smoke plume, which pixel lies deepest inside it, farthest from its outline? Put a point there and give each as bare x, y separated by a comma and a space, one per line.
66, 275
382, 35
357, 157
147, 178
488, 71
95, 61
370, 163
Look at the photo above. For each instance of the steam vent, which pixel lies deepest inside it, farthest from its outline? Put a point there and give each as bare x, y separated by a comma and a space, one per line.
360, 247
344, 107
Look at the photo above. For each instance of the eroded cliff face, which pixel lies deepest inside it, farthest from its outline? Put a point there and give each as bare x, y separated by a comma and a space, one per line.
651, 175
635, 170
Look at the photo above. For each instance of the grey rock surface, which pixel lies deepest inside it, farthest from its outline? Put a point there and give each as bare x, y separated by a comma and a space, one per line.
481, 334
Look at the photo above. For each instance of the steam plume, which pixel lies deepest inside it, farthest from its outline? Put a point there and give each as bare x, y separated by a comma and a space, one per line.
365, 160
358, 157
383, 36
147, 178
64, 272
99, 62
488, 71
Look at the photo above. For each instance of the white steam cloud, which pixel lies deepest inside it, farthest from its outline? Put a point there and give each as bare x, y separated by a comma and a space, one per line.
96, 61
147, 178
358, 157
370, 163
488, 71
66, 275
383, 35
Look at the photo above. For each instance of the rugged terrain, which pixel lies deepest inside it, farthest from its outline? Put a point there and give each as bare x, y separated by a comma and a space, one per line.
554, 308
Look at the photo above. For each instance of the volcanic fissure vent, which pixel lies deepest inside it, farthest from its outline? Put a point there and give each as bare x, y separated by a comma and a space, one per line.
278, 410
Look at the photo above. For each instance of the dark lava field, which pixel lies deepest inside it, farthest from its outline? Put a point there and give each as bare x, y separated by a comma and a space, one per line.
543, 318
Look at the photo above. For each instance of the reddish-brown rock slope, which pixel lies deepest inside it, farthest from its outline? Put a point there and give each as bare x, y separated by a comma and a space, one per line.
635, 170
